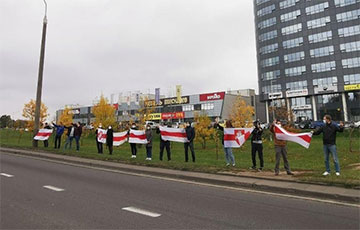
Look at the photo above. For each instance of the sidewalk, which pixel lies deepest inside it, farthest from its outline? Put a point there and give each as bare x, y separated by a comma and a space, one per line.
283, 186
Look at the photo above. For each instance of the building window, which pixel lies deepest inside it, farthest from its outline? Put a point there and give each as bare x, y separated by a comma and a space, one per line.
267, 23
321, 52
325, 82
259, 2
295, 85
297, 101
340, 3
324, 36
269, 49
352, 79
291, 29
270, 75
295, 71
267, 36
347, 16
266, 10
349, 31
293, 43
207, 106
197, 107
323, 67
270, 61
294, 57
316, 8
318, 22
271, 89
351, 62
188, 108
288, 3
350, 47
290, 16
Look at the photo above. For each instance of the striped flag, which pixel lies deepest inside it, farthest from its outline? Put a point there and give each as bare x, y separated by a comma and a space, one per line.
101, 135
236, 137
120, 138
137, 137
43, 134
173, 134
303, 139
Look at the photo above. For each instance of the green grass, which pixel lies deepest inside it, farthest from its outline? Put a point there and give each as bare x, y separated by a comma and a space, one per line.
309, 161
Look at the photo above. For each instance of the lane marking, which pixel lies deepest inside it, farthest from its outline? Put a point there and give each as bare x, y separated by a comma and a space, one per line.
6, 175
141, 211
53, 188
328, 201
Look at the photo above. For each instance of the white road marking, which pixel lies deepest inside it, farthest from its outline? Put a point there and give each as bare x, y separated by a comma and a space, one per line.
53, 188
141, 211
6, 175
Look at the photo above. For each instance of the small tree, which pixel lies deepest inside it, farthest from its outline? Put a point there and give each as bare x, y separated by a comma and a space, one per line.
144, 112
29, 113
203, 130
5, 121
104, 113
241, 113
66, 116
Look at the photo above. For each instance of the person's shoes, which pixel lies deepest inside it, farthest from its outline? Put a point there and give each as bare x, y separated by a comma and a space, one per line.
227, 164
337, 174
276, 173
326, 173
260, 169
252, 168
133, 156
290, 173
233, 165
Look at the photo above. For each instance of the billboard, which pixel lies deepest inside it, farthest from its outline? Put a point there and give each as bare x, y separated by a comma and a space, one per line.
212, 96
176, 115
168, 101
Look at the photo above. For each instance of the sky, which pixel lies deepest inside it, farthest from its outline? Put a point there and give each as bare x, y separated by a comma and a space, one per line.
96, 47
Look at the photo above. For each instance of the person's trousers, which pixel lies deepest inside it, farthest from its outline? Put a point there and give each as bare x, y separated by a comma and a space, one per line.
229, 156
165, 144
133, 149
68, 141
186, 146
110, 149
327, 150
57, 141
259, 149
46, 143
281, 151
99, 146
77, 139
149, 152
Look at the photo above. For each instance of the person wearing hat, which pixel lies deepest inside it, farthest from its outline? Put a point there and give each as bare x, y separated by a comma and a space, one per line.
256, 146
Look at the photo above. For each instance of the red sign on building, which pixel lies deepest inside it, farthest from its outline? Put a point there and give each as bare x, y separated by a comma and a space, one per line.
177, 115
212, 96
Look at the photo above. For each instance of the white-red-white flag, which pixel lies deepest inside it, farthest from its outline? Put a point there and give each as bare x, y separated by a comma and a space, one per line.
173, 134
120, 138
303, 139
101, 135
236, 137
43, 134
137, 137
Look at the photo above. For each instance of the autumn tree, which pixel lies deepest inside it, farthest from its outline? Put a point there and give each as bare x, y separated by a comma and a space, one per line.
204, 131
66, 116
144, 111
104, 113
241, 113
29, 113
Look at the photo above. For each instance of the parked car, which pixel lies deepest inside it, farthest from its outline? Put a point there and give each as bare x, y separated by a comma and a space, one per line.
152, 124
304, 124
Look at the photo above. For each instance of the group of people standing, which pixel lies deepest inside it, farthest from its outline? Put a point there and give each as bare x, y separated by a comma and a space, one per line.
74, 131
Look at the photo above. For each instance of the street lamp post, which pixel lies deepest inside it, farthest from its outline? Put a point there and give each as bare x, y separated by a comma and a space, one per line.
40, 78
273, 110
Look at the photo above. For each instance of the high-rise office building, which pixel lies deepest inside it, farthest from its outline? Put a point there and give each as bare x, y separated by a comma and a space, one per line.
308, 55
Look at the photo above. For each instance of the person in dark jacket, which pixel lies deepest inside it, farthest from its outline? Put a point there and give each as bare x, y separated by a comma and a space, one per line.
164, 144
256, 146
329, 131
133, 145
109, 139
77, 134
149, 138
46, 142
99, 145
190, 134
59, 132
70, 135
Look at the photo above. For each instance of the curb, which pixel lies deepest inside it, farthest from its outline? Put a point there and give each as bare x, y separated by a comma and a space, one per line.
282, 187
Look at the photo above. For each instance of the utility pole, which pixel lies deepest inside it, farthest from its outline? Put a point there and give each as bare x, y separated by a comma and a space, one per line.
40, 78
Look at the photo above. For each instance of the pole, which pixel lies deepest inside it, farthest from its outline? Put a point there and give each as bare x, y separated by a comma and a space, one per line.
40, 78
272, 107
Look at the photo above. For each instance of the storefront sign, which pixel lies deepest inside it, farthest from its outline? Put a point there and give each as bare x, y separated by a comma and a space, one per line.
176, 115
297, 93
74, 111
275, 95
325, 89
154, 116
301, 107
212, 96
352, 87
167, 101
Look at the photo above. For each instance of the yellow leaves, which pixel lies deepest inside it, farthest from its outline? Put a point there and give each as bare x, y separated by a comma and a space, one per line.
67, 116
242, 114
144, 112
29, 113
104, 113
203, 130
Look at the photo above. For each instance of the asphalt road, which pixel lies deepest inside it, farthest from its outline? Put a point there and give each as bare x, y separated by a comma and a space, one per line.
95, 199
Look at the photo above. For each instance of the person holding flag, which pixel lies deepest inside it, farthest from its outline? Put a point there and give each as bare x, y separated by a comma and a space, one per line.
109, 139
190, 134
133, 145
229, 156
329, 131
256, 146
59, 132
46, 142
280, 150
99, 145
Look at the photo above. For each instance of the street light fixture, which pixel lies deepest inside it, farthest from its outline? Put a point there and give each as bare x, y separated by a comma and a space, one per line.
40, 77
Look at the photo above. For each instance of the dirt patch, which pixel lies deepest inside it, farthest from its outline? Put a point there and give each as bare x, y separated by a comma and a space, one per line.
267, 174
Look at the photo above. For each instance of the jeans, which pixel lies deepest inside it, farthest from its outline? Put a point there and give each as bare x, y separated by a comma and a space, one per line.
229, 156
327, 150
77, 139
68, 141
281, 151
57, 141
149, 152
257, 148
186, 146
